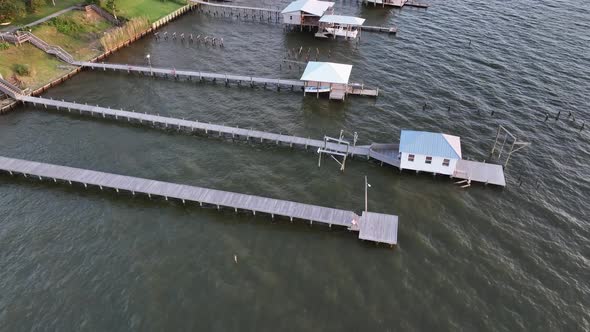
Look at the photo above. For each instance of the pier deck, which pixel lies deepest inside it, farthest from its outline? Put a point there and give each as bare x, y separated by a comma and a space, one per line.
396, 3
212, 197
371, 28
480, 172
207, 128
152, 71
227, 78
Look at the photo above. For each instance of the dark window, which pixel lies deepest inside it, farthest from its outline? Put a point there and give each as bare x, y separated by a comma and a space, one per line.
429, 160
291, 18
446, 162
410, 157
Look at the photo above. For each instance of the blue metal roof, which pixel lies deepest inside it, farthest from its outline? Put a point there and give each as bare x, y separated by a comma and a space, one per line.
429, 144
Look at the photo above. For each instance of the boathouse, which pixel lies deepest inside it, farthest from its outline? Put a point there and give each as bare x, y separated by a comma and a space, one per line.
326, 77
306, 12
340, 25
429, 152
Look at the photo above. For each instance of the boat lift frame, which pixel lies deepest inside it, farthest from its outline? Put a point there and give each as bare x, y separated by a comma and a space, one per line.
514, 147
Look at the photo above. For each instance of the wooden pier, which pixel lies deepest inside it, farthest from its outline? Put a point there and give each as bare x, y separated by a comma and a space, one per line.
395, 3
353, 89
196, 126
391, 30
190, 75
380, 228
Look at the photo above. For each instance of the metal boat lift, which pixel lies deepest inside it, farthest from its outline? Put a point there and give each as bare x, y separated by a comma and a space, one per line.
343, 150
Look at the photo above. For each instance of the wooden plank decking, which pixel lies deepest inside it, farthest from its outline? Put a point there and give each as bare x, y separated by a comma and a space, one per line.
190, 125
480, 172
199, 195
353, 89
371, 28
153, 71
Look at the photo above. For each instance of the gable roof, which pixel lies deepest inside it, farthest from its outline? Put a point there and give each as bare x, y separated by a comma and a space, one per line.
430, 144
328, 72
314, 7
341, 19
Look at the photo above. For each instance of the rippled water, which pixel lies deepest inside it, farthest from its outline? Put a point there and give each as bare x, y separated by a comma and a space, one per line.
474, 260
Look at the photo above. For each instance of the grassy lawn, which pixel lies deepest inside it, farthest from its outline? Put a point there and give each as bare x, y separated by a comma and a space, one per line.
45, 10
43, 68
152, 9
83, 42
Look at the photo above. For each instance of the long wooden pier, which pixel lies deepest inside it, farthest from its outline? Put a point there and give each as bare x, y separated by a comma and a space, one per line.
189, 75
193, 126
354, 88
395, 3
381, 228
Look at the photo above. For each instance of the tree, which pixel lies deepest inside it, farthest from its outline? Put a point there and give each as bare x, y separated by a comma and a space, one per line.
10, 9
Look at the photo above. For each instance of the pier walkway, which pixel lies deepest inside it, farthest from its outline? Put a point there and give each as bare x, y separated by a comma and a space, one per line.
355, 89
375, 227
190, 125
187, 74
395, 3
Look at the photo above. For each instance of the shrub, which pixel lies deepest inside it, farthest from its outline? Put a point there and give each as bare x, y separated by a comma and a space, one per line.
122, 34
4, 46
22, 70
34, 5
66, 25
11, 9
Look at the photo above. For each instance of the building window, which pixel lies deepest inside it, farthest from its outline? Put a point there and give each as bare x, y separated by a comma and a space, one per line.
291, 18
410, 157
446, 162
429, 160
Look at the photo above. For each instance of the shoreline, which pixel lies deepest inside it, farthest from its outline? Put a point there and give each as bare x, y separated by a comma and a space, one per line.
154, 26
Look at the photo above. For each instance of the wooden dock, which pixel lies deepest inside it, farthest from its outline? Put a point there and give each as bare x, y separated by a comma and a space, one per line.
195, 126
486, 173
392, 30
375, 227
395, 3
190, 75
353, 89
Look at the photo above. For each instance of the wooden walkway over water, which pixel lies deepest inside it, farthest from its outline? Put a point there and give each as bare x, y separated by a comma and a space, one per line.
194, 126
190, 75
383, 230
354, 89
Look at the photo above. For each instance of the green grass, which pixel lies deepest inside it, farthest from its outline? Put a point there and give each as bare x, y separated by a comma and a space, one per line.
152, 9
42, 67
44, 11
82, 42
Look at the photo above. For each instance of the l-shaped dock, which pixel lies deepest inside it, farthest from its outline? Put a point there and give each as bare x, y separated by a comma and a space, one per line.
376, 227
